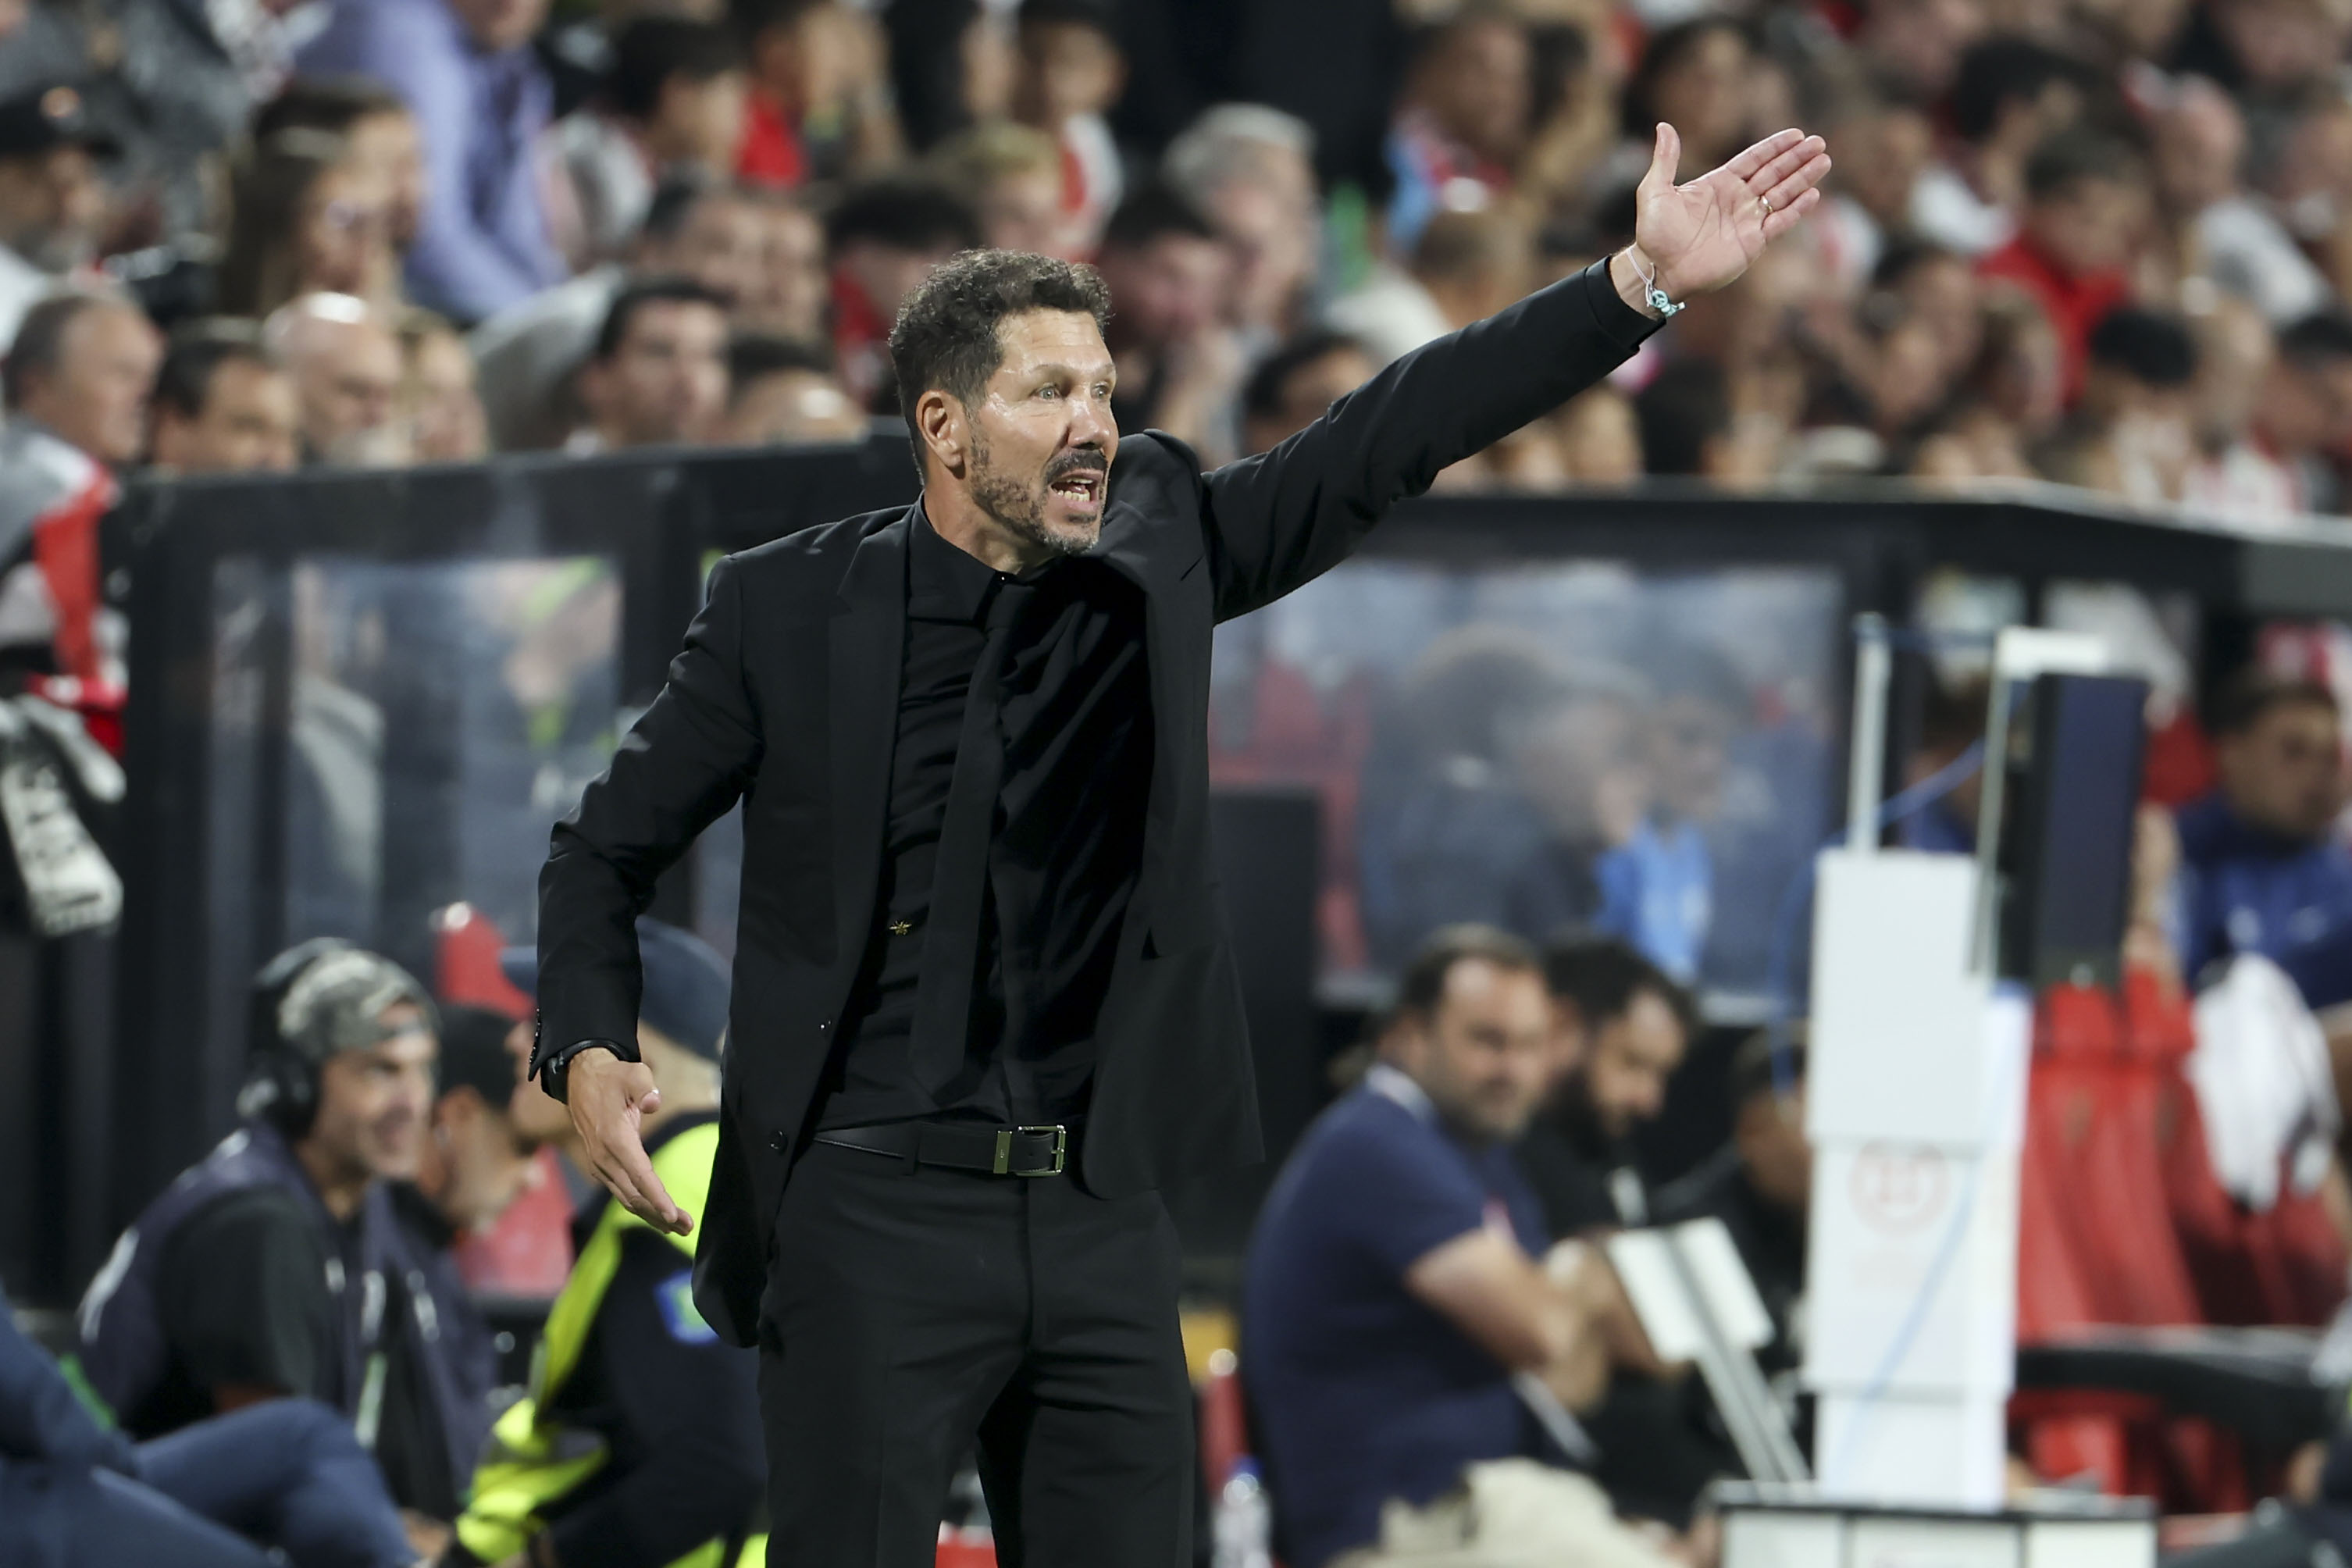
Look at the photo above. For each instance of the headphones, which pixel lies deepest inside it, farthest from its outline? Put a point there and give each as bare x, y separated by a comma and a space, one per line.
281, 1081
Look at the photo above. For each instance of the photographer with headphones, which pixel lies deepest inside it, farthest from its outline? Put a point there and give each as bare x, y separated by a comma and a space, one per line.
275, 1267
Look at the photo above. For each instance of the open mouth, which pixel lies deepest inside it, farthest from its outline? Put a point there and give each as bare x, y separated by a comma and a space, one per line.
1082, 488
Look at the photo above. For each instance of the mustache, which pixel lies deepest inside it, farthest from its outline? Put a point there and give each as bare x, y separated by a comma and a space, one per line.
1084, 461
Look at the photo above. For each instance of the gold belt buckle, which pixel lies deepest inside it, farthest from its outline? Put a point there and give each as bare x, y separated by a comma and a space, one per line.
1003, 1166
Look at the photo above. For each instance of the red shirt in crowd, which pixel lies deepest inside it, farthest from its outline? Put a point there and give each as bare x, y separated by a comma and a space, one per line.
2074, 305
771, 153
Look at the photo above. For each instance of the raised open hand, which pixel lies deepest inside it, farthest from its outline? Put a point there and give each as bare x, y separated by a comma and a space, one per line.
1703, 234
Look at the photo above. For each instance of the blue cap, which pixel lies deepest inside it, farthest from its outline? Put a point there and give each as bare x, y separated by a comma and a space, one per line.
686, 985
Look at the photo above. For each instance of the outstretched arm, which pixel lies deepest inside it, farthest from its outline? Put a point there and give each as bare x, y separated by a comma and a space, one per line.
1282, 518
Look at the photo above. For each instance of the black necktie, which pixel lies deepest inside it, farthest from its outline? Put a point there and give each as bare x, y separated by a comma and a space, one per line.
960, 873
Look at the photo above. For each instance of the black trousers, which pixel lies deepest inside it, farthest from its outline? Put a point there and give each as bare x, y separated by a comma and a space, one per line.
912, 1311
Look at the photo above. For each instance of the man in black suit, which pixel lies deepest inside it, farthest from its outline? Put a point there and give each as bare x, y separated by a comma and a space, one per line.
978, 940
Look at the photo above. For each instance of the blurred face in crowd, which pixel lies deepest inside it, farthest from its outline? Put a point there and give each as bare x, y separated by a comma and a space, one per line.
1167, 289
2285, 772
666, 379
1067, 70
96, 396
346, 238
1021, 209
476, 1163
792, 291
2233, 360
1940, 293
723, 245
700, 122
51, 206
1307, 393
1621, 1081
1880, 158
791, 406
2280, 43
498, 25
1484, 1054
1600, 441
1035, 452
1578, 764
248, 423
444, 409
2089, 225
386, 147
1272, 232
1705, 96
2306, 404
1771, 1135
1476, 83
1907, 378
1688, 744
347, 376
2200, 144
1920, 42
373, 1105
821, 59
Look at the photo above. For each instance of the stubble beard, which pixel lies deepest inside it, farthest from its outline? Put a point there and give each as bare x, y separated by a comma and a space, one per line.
1019, 506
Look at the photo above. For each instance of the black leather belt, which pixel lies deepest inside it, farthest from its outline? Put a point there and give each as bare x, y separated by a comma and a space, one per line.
992, 1151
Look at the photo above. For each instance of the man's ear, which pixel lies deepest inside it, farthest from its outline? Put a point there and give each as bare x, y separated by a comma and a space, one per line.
940, 426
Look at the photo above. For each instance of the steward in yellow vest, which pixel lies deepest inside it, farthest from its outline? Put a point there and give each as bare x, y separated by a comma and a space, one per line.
639, 1443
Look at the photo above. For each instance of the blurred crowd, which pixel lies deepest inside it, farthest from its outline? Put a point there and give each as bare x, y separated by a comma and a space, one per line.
2102, 242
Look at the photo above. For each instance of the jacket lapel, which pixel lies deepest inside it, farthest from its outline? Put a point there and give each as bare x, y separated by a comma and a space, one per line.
868, 647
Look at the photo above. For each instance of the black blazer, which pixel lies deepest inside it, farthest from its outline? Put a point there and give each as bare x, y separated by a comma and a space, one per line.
786, 696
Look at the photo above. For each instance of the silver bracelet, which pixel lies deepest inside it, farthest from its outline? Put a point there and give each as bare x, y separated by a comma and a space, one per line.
1664, 307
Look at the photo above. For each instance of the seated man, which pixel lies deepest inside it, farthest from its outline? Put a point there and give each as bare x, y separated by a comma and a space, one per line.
274, 1266
639, 1440
2262, 870
1400, 1276
1759, 1185
287, 1475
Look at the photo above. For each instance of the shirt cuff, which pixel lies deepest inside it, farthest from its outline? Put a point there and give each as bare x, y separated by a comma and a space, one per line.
1619, 322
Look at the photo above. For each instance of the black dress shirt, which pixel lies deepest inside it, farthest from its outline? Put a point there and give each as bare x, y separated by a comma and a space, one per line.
1066, 848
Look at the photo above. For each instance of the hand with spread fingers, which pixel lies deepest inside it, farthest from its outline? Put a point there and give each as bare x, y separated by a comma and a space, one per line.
1690, 239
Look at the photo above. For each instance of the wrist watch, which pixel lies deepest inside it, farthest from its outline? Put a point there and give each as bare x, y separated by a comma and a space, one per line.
555, 1068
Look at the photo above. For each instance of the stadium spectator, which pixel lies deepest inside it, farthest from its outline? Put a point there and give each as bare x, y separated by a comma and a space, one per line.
820, 105
347, 370
466, 69
1179, 365
2011, 95
2261, 869
1463, 118
1760, 1183
2232, 474
225, 1293
2225, 233
1293, 386
1697, 77
1400, 1275
1071, 72
1013, 175
723, 238
673, 102
792, 293
1883, 143
2129, 433
1466, 265
1623, 1025
440, 392
782, 391
51, 201
222, 405
2304, 415
657, 373
380, 136
1600, 439
2086, 210
76, 382
79, 1495
1685, 416
629, 1368
1251, 171
1657, 887
882, 236
309, 220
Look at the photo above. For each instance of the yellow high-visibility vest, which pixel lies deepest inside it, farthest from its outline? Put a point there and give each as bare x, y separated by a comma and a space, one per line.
534, 1460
